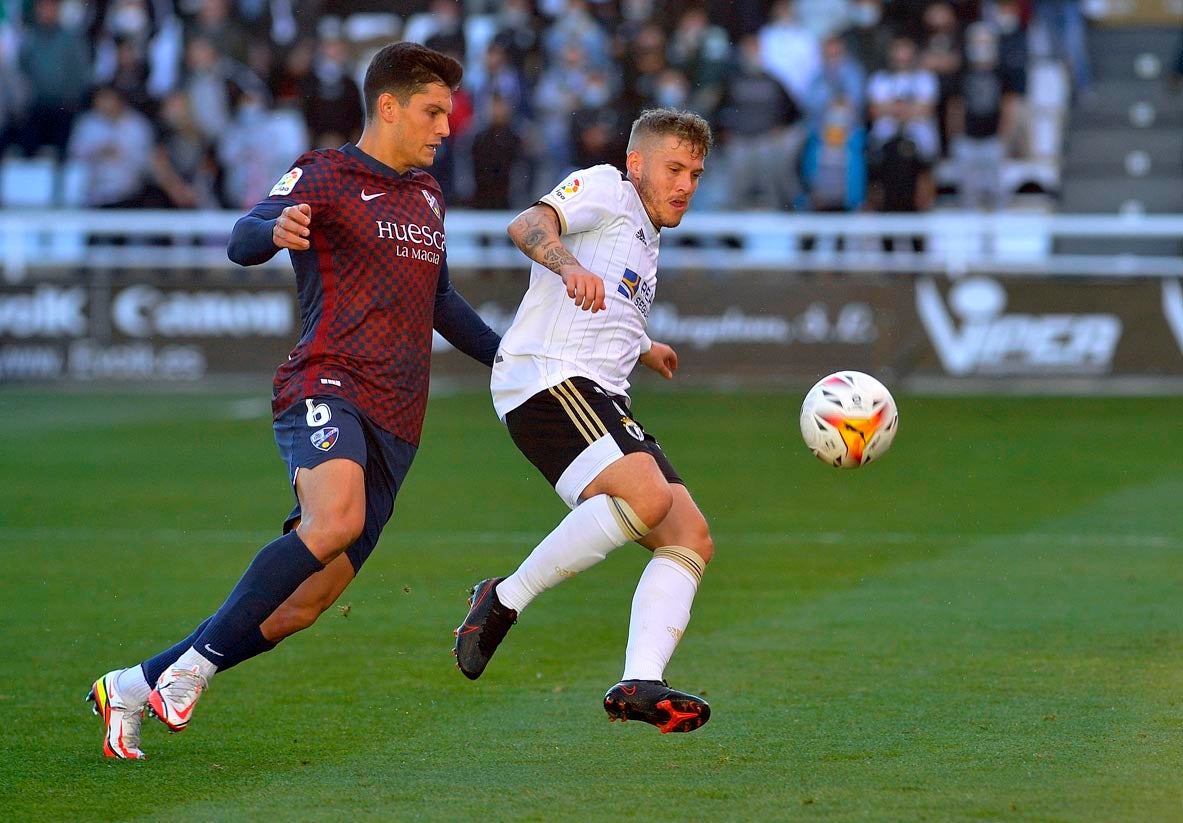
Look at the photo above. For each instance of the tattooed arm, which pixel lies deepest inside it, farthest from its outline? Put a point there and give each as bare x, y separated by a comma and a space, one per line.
537, 232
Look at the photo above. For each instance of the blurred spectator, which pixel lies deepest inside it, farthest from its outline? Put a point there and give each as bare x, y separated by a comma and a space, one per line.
823, 17
1176, 76
560, 92
120, 24
261, 62
130, 75
440, 28
55, 62
184, 172
577, 30
903, 99
115, 143
214, 22
499, 79
841, 78
498, 150
702, 52
941, 55
762, 134
329, 97
833, 162
867, 40
790, 52
257, 147
517, 33
1058, 31
644, 61
982, 120
294, 72
1012, 42
671, 90
899, 179
599, 129
12, 88
212, 82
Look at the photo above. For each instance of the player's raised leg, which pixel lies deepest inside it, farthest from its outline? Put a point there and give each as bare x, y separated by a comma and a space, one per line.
617, 505
332, 501
120, 697
681, 547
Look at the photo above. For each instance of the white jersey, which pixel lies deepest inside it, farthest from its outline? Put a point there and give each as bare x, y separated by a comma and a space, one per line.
606, 227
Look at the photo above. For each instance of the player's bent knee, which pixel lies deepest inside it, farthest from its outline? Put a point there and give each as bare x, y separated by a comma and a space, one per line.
650, 503
703, 545
695, 534
328, 536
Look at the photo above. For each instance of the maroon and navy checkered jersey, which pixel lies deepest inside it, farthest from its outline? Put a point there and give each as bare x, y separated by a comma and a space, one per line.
371, 287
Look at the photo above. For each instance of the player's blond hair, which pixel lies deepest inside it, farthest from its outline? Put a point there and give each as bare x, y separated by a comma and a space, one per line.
687, 126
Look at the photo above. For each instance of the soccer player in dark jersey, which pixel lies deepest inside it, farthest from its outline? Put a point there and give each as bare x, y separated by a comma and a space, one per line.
364, 226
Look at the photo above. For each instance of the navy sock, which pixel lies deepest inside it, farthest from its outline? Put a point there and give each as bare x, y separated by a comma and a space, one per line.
252, 645
276, 572
153, 667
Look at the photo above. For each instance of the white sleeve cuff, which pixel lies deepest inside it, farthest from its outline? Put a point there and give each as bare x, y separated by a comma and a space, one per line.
646, 344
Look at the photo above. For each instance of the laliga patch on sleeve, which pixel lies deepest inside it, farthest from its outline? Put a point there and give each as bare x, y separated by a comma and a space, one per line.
287, 182
568, 189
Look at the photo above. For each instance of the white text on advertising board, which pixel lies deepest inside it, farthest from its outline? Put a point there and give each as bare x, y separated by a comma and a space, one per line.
990, 341
145, 311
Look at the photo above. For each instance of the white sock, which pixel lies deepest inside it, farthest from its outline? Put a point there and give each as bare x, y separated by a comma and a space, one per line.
583, 538
661, 611
193, 658
132, 686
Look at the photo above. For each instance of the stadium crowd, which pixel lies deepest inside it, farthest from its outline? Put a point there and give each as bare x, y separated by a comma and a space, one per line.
818, 104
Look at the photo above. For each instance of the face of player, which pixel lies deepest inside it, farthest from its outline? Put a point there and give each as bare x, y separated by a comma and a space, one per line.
665, 171
418, 129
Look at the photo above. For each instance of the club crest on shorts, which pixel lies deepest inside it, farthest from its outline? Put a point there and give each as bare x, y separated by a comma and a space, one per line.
324, 439
287, 182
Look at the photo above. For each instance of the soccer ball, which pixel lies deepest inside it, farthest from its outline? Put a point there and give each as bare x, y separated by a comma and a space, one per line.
848, 419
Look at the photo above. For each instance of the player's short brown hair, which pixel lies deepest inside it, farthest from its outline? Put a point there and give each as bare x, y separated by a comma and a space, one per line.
685, 125
404, 69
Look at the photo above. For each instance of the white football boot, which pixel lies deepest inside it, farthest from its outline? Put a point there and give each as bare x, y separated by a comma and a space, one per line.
176, 693
122, 720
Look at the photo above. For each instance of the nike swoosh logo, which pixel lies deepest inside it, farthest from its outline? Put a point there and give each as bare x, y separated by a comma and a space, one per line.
369, 197
211, 651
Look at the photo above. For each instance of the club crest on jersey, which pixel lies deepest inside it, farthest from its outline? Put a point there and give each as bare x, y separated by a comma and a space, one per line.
629, 284
287, 182
640, 235
568, 189
324, 439
431, 201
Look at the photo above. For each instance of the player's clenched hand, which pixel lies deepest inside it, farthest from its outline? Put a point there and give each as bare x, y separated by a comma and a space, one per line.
292, 228
662, 359
585, 288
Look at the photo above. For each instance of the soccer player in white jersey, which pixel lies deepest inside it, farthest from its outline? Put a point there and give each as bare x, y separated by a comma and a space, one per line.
560, 383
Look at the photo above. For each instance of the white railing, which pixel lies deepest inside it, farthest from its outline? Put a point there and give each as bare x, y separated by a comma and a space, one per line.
954, 243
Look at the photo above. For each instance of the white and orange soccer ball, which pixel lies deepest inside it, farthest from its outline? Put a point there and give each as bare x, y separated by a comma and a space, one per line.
848, 419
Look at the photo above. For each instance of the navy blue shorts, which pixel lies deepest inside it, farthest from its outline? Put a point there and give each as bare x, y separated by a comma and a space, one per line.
326, 428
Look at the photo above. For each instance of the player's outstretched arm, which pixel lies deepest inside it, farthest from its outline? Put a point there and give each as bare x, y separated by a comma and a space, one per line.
537, 232
268, 227
662, 359
459, 323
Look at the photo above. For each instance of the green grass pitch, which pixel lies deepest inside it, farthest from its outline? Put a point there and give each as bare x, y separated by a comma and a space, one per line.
987, 625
